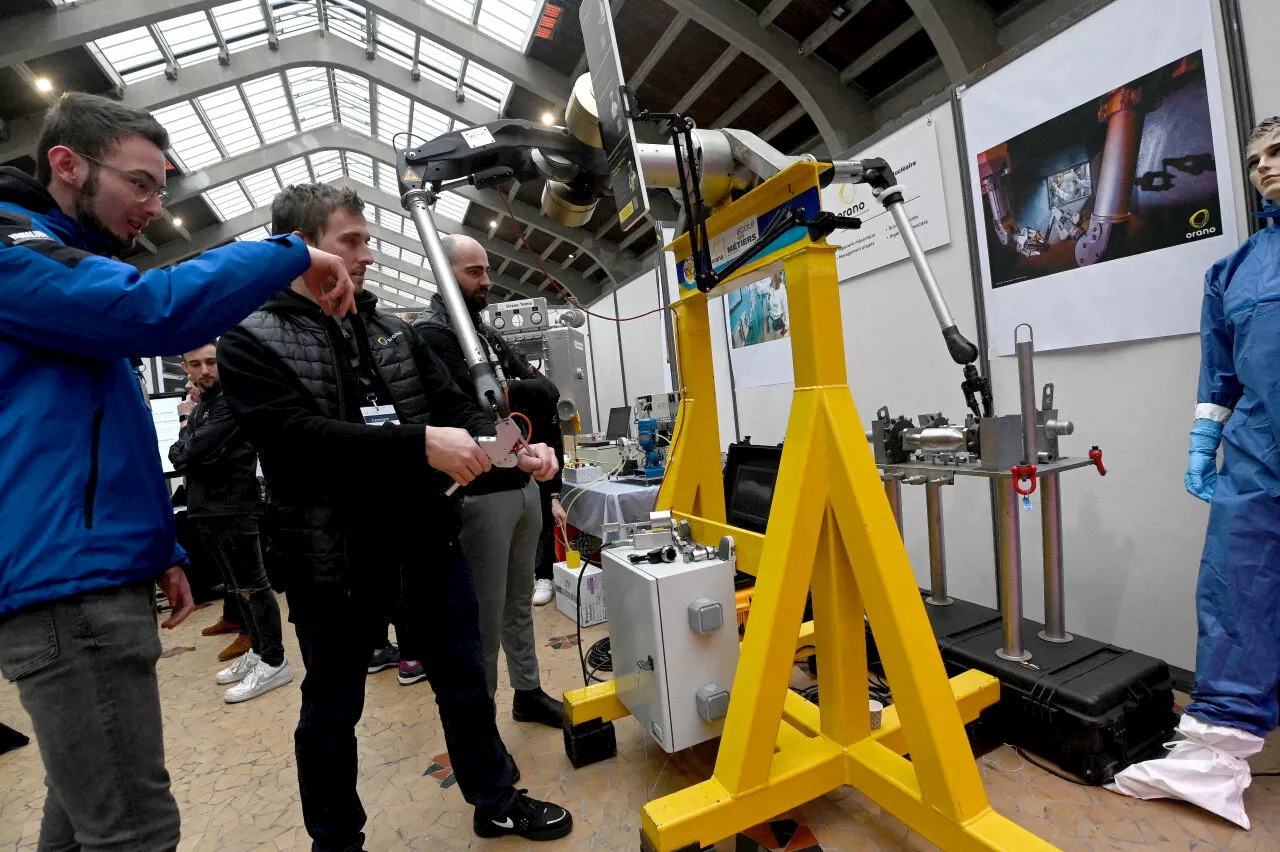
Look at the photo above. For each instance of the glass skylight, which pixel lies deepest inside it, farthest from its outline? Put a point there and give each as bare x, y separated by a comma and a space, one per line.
190, 38
270, 107
189, 139
241, 24
228, 200
134, 54
235, 120
508, 21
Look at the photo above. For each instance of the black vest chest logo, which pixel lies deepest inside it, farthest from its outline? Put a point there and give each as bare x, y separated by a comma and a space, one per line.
383, 340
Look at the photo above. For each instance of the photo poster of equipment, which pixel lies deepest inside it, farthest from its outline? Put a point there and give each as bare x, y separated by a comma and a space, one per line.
1101, 198
758, 326
912, 151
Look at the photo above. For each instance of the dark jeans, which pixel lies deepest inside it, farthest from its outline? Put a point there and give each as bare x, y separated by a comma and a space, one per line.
546, 559
232, 543
85, 668
333, 699
232, 611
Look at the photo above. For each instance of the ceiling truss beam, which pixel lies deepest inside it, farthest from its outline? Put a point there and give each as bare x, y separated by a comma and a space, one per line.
771, 11
832, 25
962, 31
841, 115
880, 50
668, 37
710, 76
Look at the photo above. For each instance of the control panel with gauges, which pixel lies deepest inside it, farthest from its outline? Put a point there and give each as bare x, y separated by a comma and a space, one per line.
554, 347
518, 317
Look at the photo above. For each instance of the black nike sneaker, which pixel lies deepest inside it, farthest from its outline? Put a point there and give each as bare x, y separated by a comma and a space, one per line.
525, 817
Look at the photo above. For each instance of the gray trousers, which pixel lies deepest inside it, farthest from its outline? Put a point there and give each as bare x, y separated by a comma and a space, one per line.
85, 668
500, 540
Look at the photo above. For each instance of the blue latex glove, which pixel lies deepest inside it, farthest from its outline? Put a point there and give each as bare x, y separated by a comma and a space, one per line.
1202, 467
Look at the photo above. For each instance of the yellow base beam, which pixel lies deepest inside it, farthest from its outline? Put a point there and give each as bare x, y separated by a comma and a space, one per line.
597, 701
974, 692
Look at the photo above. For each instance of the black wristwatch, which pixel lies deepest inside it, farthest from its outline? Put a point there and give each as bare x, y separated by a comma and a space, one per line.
182, 418
555, 496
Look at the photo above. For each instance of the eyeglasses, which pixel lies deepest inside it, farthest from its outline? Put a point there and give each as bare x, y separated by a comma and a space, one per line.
143, 187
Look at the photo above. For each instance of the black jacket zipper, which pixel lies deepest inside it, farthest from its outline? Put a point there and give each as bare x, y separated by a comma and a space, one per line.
91, 487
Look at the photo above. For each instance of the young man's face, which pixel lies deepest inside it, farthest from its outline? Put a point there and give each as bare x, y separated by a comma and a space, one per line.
471, 268
202, 367
106, 192
1263, 162
346, 234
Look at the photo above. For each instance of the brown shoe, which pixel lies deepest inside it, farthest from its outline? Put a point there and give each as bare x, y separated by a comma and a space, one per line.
235, 649
219, 627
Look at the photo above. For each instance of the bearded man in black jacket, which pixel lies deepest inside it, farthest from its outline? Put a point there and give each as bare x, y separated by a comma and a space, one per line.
364, 395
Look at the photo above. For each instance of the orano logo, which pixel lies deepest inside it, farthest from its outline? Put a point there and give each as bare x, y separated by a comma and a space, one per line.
1199, 220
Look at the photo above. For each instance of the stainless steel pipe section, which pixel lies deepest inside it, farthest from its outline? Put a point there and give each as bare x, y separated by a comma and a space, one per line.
1055, 623
921, 263
1114, 184
937, 545
418, 204
1025, 350
1010, 573
935, 439
715, 165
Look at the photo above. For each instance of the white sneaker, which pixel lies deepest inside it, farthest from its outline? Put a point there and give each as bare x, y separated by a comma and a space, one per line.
263, 678
543, 592
237, 671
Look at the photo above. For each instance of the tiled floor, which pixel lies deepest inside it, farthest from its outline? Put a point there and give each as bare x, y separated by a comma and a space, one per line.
233, 774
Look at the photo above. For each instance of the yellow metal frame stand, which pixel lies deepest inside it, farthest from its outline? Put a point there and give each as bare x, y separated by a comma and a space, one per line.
830, 525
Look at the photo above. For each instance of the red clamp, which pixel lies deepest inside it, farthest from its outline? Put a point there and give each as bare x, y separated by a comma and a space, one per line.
1021, 472
1096, 455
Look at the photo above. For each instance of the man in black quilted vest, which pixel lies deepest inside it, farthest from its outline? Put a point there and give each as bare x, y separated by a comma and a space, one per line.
360, 431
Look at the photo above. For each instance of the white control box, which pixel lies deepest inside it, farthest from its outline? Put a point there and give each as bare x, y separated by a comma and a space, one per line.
581, 474
674, 640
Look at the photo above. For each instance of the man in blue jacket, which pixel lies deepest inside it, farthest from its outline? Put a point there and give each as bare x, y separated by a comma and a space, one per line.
1233, 706
86, 524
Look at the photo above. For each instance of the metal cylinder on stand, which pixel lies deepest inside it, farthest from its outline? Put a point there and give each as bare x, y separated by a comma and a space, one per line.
1010, 572
893, 490
1055, 623
1025, 351
937, 544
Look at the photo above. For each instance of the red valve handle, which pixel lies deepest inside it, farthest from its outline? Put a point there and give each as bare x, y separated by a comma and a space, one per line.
1096, 455
1021, 472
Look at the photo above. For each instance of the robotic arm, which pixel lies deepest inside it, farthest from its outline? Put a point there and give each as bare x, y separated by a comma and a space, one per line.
706, 167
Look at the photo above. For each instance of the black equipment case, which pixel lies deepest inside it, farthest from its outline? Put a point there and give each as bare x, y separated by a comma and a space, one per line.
1090, 707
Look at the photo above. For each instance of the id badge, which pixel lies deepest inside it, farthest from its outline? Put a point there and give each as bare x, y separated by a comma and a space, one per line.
378, 415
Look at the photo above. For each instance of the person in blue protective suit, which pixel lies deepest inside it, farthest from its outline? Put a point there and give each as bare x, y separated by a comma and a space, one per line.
86, 523
1238, 595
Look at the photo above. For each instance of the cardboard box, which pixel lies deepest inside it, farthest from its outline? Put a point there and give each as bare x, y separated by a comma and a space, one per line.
566, 582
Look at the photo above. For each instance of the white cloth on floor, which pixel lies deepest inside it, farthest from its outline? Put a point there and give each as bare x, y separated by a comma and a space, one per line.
1209, 769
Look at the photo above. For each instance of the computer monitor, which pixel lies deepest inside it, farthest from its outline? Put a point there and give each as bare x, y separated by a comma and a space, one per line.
619, 423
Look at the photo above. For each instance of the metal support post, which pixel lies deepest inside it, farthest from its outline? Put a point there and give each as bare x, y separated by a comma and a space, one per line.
893, 490
1025, 350
1055, 624
1010, 573
937, 544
